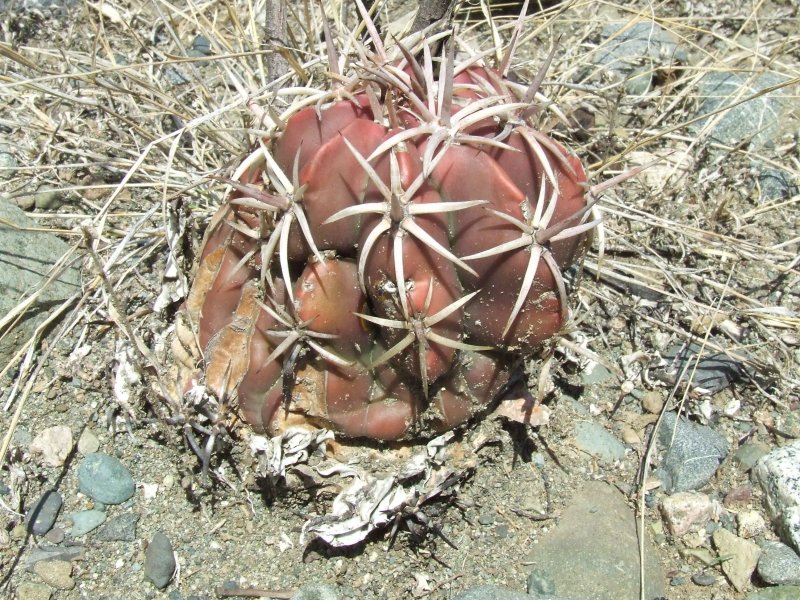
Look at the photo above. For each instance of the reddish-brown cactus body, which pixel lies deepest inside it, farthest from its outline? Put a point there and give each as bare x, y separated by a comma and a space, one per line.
382, 274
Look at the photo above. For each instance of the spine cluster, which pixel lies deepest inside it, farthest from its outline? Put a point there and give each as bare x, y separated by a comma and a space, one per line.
384, 259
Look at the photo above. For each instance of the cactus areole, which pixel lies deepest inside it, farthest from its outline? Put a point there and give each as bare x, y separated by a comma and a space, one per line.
388, 255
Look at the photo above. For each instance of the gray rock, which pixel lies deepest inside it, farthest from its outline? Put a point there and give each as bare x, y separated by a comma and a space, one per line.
710, 374
8, 162
754, 121
740, 557
607, 567
491, 592
316, 591
85, 521
779, 564
119, 529
749, 454
773, 184
66, 553
631, 51
692, 453
105, 479
703, 579
50, 199
159, 561
201, 46
26, 258
778, 475
784, 592
43, 514
596, 374
593, 439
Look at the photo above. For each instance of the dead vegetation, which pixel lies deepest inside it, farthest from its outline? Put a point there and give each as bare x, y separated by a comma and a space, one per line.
130, 114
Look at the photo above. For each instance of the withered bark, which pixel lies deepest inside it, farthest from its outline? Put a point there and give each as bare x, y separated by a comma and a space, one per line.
431, 11
275, 37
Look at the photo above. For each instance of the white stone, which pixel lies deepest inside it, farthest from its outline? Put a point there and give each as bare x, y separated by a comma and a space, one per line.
750, 524
54, 444
685, 511
778, 474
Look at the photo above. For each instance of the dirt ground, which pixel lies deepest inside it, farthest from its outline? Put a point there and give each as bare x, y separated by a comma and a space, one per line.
117, 107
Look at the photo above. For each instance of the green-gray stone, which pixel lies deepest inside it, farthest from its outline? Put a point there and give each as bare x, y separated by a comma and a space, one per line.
105, 479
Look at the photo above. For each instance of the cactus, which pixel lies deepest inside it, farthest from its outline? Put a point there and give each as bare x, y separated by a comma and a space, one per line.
385, 258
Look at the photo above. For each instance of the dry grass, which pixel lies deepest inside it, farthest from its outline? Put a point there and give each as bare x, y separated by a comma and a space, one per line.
132, 129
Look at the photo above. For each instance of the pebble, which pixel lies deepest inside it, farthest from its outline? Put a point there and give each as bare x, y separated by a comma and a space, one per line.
8, 162
57, 553
692, 453
85, 521
88, 442
316, 591
119, 529
743, 554
159, 561
201, 46
779, 564
739, 495
55, 573
704, 580
750, 524
630, 52
710, 374
49, 199
778, 475
55, 536
577, 569
652, 402
596, 441
685, 511
54, 444
747, 455
33, 591
486, 518
105, 479
43, 514
596, 373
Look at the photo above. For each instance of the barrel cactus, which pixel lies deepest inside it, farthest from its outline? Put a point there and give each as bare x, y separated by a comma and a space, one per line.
388, 254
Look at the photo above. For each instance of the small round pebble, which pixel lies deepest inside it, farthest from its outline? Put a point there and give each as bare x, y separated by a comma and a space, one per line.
43, 514
105, 479
33, 591
85, 521
55, 573
704, 580
88, 442
159, 561
55, 535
